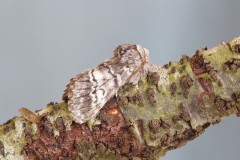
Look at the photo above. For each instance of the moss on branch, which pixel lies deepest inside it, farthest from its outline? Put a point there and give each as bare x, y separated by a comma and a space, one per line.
166, 110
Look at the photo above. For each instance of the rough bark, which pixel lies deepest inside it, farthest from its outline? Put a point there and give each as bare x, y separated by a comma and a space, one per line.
166, 110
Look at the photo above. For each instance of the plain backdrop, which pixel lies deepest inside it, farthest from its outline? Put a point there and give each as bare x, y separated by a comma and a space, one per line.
45, 43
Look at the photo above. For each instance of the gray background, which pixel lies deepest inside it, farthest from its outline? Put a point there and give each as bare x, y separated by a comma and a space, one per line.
45, 43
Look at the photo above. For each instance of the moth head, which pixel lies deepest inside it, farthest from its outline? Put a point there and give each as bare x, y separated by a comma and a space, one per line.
132, 53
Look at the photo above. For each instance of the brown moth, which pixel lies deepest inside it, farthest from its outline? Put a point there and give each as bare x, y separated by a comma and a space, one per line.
87, 92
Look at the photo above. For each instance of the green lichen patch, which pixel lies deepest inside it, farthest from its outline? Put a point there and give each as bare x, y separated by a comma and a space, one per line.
54, 111
87, 151
192, 84
13, 139
18, 132
167, 108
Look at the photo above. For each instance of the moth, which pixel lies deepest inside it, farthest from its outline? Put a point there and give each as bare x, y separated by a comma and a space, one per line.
87, 92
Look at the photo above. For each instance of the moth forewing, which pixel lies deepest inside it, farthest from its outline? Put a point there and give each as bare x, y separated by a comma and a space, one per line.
88, 92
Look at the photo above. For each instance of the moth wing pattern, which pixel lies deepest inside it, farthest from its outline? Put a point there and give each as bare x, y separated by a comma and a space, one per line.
87, 93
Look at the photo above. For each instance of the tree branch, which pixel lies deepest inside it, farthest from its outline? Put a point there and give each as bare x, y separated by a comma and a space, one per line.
166, 110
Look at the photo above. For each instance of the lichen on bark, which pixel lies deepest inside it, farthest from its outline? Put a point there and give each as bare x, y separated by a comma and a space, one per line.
163, 112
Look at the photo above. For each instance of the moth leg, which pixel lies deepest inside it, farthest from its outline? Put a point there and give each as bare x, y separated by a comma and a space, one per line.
93, 122
133, 126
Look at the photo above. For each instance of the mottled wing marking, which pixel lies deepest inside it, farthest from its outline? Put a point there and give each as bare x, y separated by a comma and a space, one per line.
87, 92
